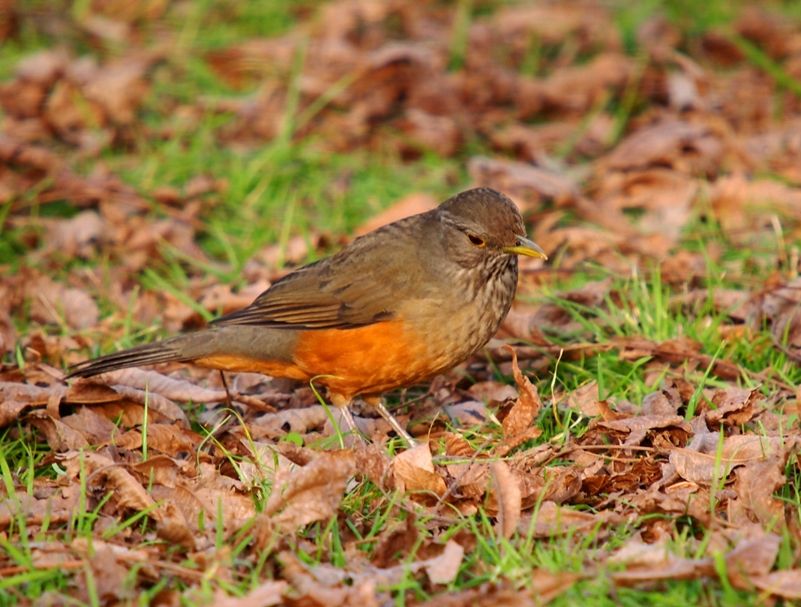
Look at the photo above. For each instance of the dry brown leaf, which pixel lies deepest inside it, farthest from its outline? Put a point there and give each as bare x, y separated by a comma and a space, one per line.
108, 576
203, 499
527, 406
413, 471
741, 204
676, 351
527, 185
276, 425
755, 485
468, 413
575, 88
508, 497
310, 493
733, 407
670, 568
635, 551
470, 479
88, 393
638, 427
155, 403
493, 391
59, 435
157, 383
10, 411
172, 526
395, 544
329, 592
785, 584
491, 596
95, 427
586, 399
79, 236
128, 493
690, 148
266, 594
552, 520
457, 446
547, 585
666, 401
780, 307
518, 425
171, 439
699, 461
14, 394
52, 302
56, 508
753, 556
559, 484
444, 568
663, 196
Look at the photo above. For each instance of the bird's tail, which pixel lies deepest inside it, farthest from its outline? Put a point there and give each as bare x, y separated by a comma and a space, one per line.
147, 354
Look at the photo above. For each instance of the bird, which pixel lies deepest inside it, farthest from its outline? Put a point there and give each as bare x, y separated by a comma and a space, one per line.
395, 307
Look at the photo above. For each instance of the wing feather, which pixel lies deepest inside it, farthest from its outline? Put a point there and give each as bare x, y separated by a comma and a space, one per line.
344, 291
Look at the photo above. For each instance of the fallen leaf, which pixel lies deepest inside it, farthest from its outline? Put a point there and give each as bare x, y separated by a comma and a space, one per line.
753, 556
755, 485
128, 492
508, 497
638, 427
518, 423
699, 461
527, 406
325, 592
733, 407
585, 398
785, 584
266, 594
491, 596
395, 544
309, 493
552, 520
413, 471
444, 568
548, 585
691, 148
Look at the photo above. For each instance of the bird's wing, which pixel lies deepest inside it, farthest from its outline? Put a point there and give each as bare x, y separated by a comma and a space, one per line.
358, 286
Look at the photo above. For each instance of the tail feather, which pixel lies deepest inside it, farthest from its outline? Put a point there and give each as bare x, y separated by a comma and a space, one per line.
148, 354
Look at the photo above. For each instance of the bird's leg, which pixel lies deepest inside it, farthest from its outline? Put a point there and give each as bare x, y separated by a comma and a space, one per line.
394, 424
228, 400
343, 405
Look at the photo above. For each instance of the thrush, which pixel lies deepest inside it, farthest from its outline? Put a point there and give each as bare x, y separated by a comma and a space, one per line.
395, 307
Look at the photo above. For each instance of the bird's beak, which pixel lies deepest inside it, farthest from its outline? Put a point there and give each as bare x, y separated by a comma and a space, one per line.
526, 247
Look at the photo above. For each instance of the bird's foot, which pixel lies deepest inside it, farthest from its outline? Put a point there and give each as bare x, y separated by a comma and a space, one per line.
351, 435
390, 419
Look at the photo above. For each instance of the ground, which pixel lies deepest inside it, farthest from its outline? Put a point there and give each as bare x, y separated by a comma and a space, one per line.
629, 437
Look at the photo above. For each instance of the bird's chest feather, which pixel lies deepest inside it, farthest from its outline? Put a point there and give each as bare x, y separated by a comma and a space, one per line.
365, 360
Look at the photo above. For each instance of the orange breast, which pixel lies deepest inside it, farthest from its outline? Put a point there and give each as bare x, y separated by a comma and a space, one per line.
366, 360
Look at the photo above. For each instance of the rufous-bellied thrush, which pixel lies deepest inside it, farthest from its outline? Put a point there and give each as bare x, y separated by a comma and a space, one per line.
394, 307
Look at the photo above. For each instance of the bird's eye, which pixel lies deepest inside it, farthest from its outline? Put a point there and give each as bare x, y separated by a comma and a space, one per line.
476, 240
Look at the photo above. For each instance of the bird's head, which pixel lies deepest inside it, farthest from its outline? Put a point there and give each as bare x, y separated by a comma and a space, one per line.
481, 225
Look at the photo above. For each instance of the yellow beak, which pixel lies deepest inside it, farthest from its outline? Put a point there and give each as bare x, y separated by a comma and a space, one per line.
526, 247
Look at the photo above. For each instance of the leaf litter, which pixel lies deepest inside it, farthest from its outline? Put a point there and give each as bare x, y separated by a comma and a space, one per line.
619, 163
